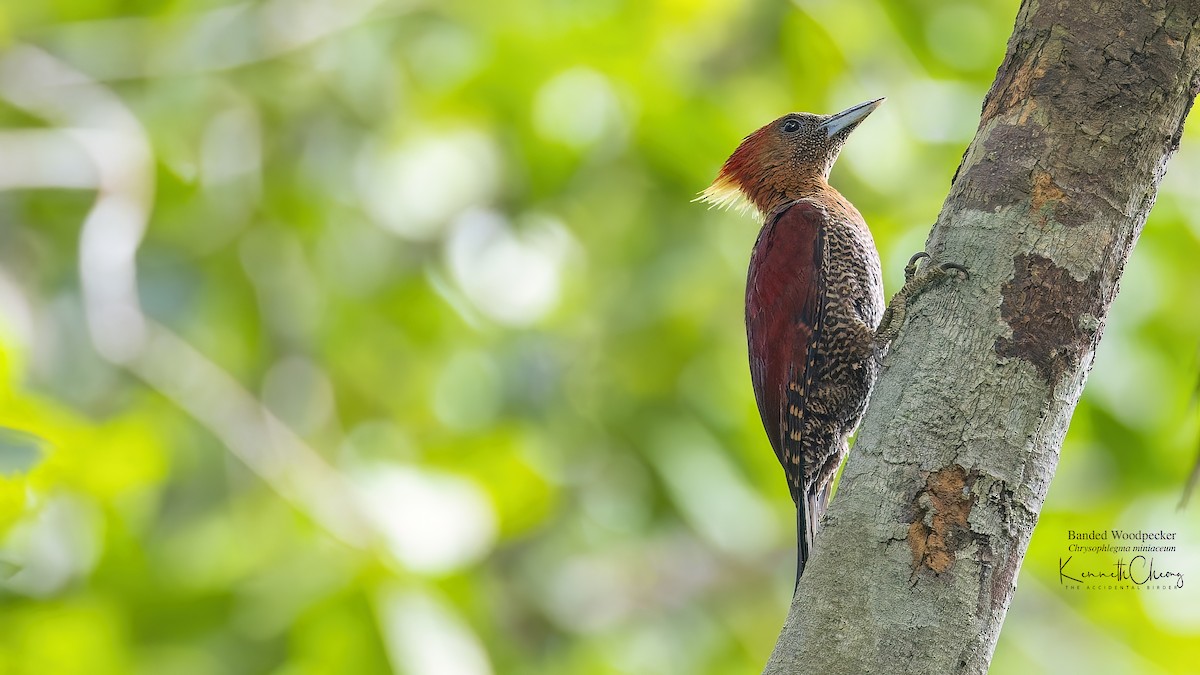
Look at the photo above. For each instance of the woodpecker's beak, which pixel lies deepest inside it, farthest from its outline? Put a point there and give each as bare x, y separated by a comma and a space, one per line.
849, 118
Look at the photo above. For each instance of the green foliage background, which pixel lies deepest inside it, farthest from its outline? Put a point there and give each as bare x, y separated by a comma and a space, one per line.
442, 373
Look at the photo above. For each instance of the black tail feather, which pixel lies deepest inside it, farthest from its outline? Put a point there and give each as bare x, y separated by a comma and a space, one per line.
801, 545
809, 510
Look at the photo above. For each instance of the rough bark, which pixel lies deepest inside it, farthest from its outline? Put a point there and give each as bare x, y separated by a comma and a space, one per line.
917, 561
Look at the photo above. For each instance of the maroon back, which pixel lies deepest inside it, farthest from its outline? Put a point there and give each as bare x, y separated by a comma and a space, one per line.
783, 313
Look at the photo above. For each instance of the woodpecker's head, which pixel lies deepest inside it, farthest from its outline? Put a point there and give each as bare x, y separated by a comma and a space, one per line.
783, 159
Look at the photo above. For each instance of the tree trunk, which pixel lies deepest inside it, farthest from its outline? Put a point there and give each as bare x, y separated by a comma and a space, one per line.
918, 558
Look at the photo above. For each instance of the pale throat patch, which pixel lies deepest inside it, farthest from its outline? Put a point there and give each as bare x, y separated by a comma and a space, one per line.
726, 193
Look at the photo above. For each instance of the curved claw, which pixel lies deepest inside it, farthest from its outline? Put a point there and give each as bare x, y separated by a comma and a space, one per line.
910, 269
912, 262
946, 267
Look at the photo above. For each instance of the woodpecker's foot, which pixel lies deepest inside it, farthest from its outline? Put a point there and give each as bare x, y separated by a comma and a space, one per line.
914, 263
917, 280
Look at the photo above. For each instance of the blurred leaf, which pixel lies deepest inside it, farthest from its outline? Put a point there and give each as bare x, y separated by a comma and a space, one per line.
19, 451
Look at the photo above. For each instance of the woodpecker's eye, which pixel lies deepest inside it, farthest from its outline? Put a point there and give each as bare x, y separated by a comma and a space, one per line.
791, 126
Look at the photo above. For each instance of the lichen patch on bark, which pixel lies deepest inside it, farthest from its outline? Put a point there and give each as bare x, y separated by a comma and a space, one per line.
941, 529
1054, 317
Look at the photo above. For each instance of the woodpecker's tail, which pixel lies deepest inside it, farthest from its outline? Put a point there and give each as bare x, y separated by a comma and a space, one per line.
809, 509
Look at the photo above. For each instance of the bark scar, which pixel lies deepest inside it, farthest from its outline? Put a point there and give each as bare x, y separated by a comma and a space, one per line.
991, 183
1045, 190
1014, 92
1049, 200
1054, 317
940, 529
